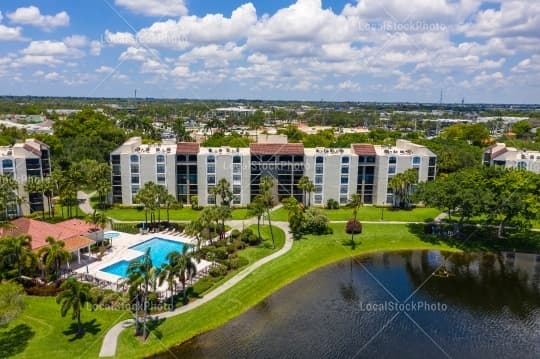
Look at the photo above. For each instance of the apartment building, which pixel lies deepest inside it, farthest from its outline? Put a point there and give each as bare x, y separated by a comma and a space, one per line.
23, 161
510, 157
186, 169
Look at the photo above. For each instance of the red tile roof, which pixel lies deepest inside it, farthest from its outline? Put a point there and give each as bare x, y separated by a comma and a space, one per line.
74, 243
277, 148
364, 150
41, 230
187, 148
32, 149
498, 153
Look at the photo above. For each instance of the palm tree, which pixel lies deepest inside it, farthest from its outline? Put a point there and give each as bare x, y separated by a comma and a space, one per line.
402, 185
54, 255
8, 186
266, 194
222, 213
17, 251
223, 190
48, 187
74, 296
355, 203
195, 228
160, 195
168, 273
170, 202
256, 209
100, 177
35, 185
184, 266
307, 186
141, 272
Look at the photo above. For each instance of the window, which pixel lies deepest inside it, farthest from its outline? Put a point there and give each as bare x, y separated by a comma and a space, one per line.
344, 159
318, 189
135, 179
416, 161
318, 179
344, 170
160, 159
343, 199
211, 199
237, 159
317, 199
7, 164
237, 190
160, 168
211, 168
319, 159
237, 179
319, 170
161, 179
134, 158
344, 190
134, 189
432, 161
522, 165
237, 168
370, 159
211, 179
392, 160
134, 168
344, 179
391, 169
211, 159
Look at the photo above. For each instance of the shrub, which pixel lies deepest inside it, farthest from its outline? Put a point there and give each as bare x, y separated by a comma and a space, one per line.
268, 244
332, 204
236, 246
249, 237
236, 262
353, 227
202, 285
316, 222
195, 203
218, 270
221, 253
235, 234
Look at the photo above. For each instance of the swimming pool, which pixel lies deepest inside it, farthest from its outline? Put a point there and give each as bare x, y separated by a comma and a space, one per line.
159, 249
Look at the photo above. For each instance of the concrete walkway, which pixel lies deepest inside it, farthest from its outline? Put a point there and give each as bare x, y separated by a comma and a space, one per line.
85, 201
108, 347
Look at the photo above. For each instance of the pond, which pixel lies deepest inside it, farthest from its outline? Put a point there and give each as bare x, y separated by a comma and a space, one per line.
476, 306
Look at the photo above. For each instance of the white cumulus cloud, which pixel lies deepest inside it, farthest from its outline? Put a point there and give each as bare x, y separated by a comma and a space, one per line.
32, 16
155, 7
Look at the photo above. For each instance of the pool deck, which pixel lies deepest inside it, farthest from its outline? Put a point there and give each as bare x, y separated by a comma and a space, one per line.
121, 251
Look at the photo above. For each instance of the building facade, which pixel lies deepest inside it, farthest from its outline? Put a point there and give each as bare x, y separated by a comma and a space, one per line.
186, 170
22, 161
510, 157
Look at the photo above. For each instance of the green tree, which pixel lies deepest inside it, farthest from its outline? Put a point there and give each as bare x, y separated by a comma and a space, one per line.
35, 185
8, 197
307, 186
54, 255
266, 188
256, 209
183, 264
522, 128
141, 273
16, 254
355, 203
179, 130
402, 186
222, 189
74, 296
295, 216
100, 178
11, 302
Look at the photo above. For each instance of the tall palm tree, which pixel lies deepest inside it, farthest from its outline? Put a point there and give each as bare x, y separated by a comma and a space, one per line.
160, 194
184, 266
223, 190
402, 186
74, 296
307, 186
266, 194
355, 203
17, 251
54, 255
8, 197
170, 202
48, 187
141, 273
168, 273
222, 213
35, 185
256, 209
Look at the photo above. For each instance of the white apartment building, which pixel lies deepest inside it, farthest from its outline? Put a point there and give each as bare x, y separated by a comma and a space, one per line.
22, 161
510, 157
186, 169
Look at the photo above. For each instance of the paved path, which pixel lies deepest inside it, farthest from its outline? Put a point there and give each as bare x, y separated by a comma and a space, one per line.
108, 347
84, 205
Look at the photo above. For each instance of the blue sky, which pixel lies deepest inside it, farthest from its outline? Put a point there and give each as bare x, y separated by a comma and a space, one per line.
365, 50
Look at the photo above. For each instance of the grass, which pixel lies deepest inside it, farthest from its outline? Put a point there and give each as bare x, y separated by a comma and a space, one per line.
183, 214
306, 255
40, 332
368, 213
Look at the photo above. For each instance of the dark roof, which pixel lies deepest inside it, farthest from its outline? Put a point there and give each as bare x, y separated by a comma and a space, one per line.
277, 148
187, 148
364, 150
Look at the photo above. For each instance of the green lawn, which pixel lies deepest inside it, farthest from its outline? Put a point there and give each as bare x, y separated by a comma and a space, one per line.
372, 214
40, 332
182, 214
305, 256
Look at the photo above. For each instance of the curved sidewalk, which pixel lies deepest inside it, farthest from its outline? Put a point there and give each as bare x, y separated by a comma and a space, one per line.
110, 341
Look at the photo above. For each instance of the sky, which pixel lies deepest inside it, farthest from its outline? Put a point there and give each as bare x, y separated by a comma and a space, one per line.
332, 50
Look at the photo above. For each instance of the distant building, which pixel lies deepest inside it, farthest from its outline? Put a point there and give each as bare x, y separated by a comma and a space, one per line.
510, 157
186, 169
22, 161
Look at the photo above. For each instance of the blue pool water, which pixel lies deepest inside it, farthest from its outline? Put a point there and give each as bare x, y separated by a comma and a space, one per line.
159, 249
